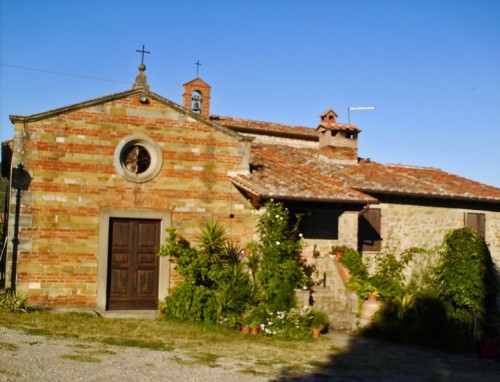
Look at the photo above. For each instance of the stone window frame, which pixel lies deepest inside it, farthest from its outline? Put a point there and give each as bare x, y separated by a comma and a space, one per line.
152, 149
106, 214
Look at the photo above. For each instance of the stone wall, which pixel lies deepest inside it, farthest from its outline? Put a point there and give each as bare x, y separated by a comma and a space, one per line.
406, 226
403, 227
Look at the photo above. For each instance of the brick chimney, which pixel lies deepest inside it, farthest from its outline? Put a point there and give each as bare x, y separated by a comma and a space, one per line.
338, 141
196, 97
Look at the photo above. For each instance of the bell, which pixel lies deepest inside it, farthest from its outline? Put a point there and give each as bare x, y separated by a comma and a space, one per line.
196, 106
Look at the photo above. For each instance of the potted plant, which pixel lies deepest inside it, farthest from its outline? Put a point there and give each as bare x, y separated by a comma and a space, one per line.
319, 323
246, 318
251, 321
372, 296
363, 288
255, 327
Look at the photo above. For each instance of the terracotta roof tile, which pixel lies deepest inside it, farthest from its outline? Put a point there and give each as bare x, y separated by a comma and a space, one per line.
301, 173
283, 172
268, 128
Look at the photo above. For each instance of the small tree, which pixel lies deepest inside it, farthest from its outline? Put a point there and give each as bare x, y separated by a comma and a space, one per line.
280, 245
214, 285
466, 274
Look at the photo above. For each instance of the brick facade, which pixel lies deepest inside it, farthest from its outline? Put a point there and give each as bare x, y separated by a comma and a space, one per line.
71, 158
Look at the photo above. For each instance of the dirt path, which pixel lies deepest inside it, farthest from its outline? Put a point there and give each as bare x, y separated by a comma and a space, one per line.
32, 358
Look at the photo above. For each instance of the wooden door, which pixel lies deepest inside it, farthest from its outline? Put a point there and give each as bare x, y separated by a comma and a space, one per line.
133, 264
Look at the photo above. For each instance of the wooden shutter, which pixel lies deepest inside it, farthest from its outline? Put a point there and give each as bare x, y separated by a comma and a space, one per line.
369, 237
477, 222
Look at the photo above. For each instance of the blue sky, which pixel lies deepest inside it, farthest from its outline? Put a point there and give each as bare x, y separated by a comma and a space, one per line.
431, 68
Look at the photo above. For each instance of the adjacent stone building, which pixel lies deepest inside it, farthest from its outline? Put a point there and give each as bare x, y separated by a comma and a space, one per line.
94, 185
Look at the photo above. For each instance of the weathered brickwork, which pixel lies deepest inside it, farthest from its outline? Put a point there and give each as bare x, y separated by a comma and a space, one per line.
71, 158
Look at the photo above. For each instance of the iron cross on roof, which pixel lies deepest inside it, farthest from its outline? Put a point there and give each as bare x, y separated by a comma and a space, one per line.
142, 51
198, 64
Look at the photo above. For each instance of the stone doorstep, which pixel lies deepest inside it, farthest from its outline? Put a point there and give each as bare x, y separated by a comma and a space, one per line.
151, 314
129, 313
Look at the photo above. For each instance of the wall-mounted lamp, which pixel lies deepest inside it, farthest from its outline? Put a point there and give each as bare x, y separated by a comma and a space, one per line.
143, 99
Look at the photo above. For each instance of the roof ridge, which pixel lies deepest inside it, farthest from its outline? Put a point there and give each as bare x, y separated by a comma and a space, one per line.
413, 166
218, 117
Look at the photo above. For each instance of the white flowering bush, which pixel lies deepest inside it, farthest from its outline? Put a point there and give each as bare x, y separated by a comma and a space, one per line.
294, 323
279, 250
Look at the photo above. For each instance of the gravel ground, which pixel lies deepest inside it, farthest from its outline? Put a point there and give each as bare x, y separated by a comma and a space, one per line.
31, 358
34, 358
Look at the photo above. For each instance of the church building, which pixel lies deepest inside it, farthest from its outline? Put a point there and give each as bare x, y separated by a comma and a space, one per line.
93, 187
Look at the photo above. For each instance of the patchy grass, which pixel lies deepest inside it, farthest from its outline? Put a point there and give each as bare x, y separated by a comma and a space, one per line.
205, 359
8, 346
82, 358
10, 374
193, 344
134, 343
37, 332
87, 353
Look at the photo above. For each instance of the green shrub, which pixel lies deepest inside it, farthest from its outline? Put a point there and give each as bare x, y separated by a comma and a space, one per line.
320, 320
467, 274
279, 249
440, 312
467, 278
14, 302
418, 320
388, 277
215, 287
218, 289
360, 281
190, 302
353, 261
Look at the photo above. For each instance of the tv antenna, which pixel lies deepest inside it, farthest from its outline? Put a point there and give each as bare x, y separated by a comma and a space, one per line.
354, 108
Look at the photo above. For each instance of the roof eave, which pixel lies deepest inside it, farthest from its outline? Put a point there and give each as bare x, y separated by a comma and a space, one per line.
266, 195
430, 196
320, 200
125, 94
76, 106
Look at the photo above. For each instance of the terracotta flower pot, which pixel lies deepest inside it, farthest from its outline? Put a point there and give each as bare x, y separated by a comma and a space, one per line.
255, 330
372, 297
245, 329
316, 332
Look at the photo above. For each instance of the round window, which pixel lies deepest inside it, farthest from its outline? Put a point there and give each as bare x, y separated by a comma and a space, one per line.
138, 158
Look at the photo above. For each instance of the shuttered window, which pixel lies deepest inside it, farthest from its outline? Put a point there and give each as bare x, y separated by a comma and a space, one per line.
369, 238
477, 222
